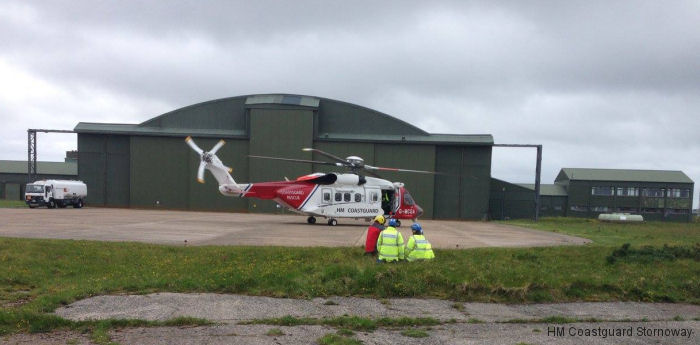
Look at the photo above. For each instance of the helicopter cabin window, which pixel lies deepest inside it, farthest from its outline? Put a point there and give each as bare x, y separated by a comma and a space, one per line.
347, 197
358, 197
327, 196
374, 196
338, 196
407, 199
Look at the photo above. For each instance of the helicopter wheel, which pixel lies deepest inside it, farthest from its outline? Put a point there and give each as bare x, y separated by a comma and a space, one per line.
398, 223
311, 220
332, 222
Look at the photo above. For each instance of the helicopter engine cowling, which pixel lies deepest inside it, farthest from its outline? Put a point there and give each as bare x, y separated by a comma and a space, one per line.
349, 179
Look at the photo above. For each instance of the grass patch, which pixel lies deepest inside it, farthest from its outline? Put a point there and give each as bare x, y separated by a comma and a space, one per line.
330, 302
474, 320
12, 203
649, 254
334, 339
354, 323
559, 320
274, 332
345, 332
414, 333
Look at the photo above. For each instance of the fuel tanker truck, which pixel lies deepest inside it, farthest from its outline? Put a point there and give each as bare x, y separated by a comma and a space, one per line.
55, 193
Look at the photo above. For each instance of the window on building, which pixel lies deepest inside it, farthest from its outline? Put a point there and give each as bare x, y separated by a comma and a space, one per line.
347, 197
652, 210
544, 207
678, 193
680, 211
627, 209
599, 209
358, 197
604, 191
627, 191
653, 192
557, 208
579, 208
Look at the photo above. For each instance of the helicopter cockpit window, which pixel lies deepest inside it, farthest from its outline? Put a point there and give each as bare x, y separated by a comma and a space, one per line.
358, 197
374, 196
338, 196
407, 199
327, 196
347, 197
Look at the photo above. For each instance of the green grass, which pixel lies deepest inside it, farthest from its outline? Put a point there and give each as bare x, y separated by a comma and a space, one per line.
355, 323
11, 203
37, 276
616, 234
414, 333
334, 339
274, 332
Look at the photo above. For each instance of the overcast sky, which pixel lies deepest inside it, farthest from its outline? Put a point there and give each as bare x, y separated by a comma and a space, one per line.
601, 84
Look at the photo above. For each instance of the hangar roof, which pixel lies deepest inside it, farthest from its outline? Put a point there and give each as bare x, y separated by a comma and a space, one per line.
48, 168
582, 174
334, 121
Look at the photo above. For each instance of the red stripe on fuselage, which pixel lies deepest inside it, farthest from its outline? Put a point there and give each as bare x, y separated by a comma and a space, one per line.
292, 193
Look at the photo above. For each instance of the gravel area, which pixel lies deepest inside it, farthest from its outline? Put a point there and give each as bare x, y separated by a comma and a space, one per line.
461, 333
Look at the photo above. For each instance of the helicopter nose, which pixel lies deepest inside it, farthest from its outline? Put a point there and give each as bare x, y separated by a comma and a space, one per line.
419, 211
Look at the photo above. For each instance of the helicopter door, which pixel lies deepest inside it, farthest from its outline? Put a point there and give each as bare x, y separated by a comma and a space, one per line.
387, 201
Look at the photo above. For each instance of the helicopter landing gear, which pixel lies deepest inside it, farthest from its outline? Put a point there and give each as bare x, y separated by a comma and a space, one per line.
332, 222
311, 220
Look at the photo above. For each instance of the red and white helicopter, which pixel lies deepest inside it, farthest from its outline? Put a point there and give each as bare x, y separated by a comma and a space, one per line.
327, 195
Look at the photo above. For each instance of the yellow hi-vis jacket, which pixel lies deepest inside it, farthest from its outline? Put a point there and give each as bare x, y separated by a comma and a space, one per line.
418, 248
390, 245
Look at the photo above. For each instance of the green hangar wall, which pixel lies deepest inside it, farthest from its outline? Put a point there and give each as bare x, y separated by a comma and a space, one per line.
148, 165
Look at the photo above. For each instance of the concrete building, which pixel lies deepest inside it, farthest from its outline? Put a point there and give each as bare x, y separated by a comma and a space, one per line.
148, 165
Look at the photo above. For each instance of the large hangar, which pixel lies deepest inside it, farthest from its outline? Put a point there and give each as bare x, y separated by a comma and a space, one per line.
148, 165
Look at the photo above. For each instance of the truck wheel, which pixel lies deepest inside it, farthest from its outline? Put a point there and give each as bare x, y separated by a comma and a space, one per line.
78, 204
52, 204
32, 206
60, 204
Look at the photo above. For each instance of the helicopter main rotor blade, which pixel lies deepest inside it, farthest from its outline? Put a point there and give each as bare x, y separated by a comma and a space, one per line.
369, 167
295, 160
333, 157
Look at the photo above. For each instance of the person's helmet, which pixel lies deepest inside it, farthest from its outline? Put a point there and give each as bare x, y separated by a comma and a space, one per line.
392, 222
380, 219
417, 228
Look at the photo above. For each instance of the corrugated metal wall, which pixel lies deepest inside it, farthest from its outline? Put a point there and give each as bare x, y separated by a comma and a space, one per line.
105, 158
465, 195
278, 133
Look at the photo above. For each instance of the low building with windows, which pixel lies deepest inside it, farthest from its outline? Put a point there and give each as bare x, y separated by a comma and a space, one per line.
655, 194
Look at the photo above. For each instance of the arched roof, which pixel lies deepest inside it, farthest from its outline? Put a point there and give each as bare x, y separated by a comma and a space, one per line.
227, 117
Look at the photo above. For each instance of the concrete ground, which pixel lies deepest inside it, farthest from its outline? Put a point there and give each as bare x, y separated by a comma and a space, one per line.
211, 228
463, 323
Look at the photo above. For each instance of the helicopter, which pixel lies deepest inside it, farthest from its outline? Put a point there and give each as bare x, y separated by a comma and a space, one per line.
324, 195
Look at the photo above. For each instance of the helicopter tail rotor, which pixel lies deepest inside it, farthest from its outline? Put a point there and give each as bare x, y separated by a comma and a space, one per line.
209, 161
